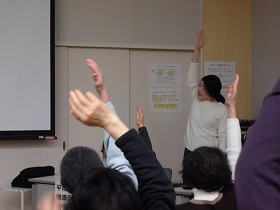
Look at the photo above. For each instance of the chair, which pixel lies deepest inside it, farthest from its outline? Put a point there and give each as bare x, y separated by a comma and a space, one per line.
168, 172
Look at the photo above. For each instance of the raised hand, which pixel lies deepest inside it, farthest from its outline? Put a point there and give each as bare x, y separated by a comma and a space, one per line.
97, 74
199, 43
88, 109
232, 91
98, 80
139, 117
200, 39
232, 97
91, 111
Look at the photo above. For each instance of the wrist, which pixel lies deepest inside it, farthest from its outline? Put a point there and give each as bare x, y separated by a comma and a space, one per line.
140, 125
104, 96
197, 50
115, 127
231, 111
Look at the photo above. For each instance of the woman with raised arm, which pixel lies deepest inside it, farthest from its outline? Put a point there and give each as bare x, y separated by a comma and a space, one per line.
207, 117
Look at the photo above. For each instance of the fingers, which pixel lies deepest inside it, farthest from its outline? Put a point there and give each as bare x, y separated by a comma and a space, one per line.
91, 97
139, 117
75, 105
87, 108
139, 111
92, 65
97, 74
201, 33
200, 39
235, 82
80, 104
233, 88
233, 91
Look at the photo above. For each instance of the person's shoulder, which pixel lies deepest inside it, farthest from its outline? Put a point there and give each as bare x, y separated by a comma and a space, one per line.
217, 105
221, 106
221, 110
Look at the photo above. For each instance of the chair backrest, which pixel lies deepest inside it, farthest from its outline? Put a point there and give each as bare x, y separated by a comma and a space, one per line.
168, 172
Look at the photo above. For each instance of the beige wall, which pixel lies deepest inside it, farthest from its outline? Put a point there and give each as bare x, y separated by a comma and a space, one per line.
228, 27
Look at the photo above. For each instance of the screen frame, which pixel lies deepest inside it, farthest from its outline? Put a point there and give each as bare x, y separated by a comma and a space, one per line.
48, 134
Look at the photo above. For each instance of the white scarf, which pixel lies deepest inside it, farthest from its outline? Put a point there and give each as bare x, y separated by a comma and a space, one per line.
205, 196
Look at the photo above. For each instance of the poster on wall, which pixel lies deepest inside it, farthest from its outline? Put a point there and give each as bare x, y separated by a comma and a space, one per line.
165, 100
165, 94
224, 70
165, 75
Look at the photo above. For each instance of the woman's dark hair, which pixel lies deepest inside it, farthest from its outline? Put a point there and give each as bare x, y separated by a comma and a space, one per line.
105, 189
206, 168
213, 86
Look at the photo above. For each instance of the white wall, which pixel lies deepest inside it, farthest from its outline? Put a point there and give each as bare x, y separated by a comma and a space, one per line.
115, 66
129, 22
166, 129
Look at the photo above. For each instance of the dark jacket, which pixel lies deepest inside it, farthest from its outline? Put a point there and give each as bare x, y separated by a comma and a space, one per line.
155, 189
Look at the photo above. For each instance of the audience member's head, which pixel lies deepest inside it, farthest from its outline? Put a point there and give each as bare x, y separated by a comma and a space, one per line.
206, 168
213, 86
75, 163
103, 189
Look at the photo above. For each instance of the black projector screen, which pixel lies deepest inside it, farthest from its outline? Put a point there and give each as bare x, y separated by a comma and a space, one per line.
27, 70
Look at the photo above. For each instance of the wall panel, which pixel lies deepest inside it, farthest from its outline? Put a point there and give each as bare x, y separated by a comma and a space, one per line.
166, 129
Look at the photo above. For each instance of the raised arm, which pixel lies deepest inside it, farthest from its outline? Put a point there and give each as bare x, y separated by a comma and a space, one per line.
233, 127
114, 156
232, 97
98, 81
139, 117
193, 74
199, 43
142, 128
155, 189
91, 111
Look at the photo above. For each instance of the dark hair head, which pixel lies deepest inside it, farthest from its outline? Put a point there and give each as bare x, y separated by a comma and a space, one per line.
213, 86
206, 168
105, 189
75, 163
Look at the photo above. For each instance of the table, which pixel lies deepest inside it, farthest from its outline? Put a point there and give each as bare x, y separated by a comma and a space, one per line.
41, 186
17, 189
182, 195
